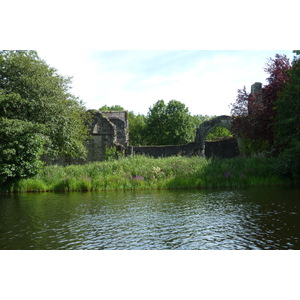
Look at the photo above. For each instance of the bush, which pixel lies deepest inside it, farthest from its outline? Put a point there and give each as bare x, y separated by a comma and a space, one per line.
140, 172
20, 149
289, 162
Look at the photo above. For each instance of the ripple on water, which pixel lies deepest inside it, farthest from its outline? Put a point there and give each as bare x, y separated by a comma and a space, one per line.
154, 220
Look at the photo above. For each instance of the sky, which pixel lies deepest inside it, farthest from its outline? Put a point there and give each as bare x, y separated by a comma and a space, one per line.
206, 81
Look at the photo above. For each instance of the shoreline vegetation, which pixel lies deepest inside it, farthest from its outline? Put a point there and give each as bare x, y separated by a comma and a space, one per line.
144, 173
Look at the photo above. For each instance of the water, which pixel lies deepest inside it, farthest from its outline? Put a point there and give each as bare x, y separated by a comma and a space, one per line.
244, 219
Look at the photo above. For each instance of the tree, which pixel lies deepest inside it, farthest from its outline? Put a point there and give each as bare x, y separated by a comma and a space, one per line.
254, 114
111, 108
288, 108
169, 124
287, 125
32, 92
20, 149
137, 134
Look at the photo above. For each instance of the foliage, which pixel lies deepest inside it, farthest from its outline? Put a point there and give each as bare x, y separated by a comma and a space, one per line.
111, 153
20, 149
289, 162
141, 172
288, 123
137, 129
218, 133
160, 124
169, 124
32, 91
254, 114
38, 115
111, 108
288, 109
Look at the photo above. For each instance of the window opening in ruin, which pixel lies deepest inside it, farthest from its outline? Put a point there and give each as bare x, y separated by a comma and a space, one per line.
219, 133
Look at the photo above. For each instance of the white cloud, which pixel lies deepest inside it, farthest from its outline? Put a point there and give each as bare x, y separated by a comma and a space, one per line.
206, 81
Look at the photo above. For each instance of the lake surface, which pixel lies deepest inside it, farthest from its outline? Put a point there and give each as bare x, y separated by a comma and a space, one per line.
264, 218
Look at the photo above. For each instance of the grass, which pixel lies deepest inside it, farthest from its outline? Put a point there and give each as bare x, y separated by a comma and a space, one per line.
141, 172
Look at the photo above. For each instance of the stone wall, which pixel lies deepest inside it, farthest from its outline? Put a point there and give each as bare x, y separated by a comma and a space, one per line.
257, 93
225, 148
164, 151
222, 148
103, 135
120, 120
107, 129
207, 127
110, 129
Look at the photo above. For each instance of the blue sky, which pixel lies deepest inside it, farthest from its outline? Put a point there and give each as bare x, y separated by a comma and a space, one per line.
205, 81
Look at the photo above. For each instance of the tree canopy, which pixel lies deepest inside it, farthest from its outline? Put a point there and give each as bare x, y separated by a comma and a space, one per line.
270, 121
165, 124
169, 124
254, 114
33, 95
111, 108
287, 122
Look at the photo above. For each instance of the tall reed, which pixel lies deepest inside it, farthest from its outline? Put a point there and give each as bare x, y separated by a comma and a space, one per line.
141, 172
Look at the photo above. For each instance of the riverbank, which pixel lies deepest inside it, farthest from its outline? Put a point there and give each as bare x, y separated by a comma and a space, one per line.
140, 172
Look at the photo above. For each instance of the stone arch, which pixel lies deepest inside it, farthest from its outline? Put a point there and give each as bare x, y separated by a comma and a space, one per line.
207, 127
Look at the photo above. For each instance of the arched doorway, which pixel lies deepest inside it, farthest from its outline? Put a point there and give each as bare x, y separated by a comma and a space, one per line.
207, 127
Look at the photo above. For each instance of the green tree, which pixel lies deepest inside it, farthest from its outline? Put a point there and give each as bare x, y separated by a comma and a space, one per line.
288, 108
287, 125
255, 114
169, 124
33, 92
111, 108
137, 125
20, 149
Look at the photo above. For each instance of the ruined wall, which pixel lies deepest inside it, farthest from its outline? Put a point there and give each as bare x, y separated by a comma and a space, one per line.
120, 120
207, 127
110, 129
225, 148
107, 129
164, 151
104, 134
222, 148
256, 94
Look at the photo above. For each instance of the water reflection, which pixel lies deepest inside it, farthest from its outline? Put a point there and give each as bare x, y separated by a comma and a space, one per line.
246, 219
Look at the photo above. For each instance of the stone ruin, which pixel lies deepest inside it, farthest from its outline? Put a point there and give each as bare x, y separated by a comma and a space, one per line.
111, 129
108, 129
207, 127
224, 148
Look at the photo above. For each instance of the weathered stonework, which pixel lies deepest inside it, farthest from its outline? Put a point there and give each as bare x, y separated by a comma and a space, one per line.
223, 148
190, 149
257, 93
103, 134
207, 127
108, 129
120, 120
